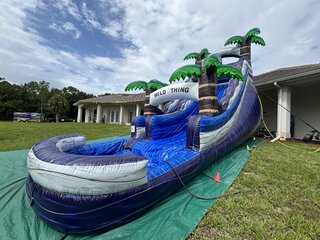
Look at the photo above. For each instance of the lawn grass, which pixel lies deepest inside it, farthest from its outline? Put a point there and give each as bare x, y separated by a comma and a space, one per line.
280, 196
280, 199
15, 135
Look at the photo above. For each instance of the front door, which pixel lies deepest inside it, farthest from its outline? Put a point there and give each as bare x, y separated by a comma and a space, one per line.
130, 117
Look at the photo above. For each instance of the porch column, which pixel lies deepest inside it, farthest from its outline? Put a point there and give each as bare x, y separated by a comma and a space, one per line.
79, 117
283, 120
138, 110
87, 115
99, 113
121, 113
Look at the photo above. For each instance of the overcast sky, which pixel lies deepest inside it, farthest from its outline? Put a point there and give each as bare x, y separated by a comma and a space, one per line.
100, 46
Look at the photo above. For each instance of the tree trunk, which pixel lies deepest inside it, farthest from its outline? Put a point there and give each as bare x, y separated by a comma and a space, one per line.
208, 100
57, 117
41, 107
245, 51
149, 110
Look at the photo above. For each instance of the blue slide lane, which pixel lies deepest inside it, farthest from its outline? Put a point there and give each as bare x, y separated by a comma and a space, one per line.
171, 149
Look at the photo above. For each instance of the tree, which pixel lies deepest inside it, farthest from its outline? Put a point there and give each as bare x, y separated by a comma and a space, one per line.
12, 98
58, 105
208, 72
43, 94
104, 94
244, 42
73, 95
38, 94
148, 87
33, 96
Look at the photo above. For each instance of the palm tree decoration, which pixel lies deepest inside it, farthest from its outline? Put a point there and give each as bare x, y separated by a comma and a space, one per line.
198, 56
148, 87
244, 42
204, 53
208, 72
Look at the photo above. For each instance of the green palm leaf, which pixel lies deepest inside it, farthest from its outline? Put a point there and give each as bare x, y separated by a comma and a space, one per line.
155, 84
233, 40
192, 55
228, 71
185, 71
136, 85
251, 33
258, 40
204, 53
214, 60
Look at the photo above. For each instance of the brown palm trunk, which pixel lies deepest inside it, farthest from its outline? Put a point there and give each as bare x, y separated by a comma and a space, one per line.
245, 51
149, 110
198, 61
208, 100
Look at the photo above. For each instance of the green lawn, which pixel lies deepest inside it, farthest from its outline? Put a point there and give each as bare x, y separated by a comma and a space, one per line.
279, 186
280, 198
14, 135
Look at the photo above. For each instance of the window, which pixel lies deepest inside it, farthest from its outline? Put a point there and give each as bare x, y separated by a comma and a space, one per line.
117, 116
94, 115
112, 117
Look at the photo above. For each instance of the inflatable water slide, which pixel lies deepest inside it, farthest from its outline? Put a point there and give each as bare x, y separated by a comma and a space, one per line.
87, 188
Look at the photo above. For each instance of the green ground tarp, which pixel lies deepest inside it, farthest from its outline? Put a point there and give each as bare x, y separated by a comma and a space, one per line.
174, 218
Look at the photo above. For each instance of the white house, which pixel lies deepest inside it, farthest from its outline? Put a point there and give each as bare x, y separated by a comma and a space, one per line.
294, 88
114, 108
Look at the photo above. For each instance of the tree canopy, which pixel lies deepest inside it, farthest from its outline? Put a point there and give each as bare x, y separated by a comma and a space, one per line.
33, 96
58, 105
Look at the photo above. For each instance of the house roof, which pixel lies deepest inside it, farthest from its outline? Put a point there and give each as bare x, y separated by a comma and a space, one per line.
114, 98
268, 78
285, 74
